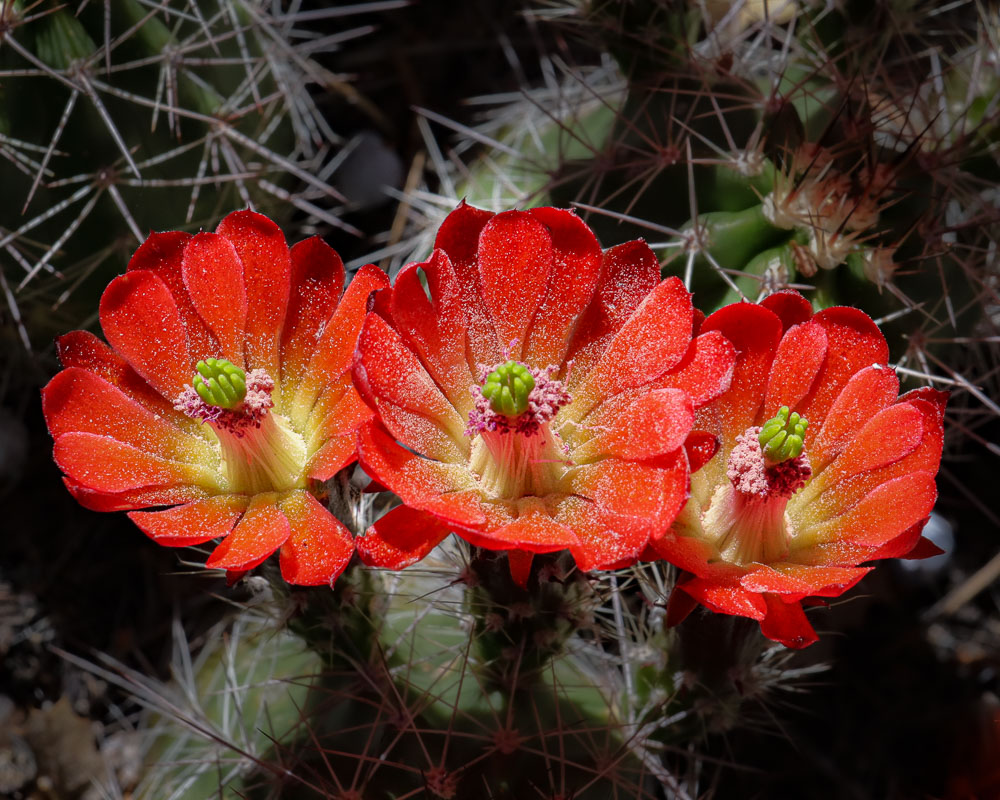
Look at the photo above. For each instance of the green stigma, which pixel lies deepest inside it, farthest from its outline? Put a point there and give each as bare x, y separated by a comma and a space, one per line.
781, 436
220, 383
507, 388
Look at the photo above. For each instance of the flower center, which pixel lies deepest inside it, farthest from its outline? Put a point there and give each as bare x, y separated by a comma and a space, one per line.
515, 453
767, 466
260, 451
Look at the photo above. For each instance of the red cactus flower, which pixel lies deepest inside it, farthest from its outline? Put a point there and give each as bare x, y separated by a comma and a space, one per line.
536, 396
225, 393
820, 468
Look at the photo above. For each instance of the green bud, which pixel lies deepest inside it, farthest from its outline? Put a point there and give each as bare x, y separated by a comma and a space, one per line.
507, 388
220, 383
781, 437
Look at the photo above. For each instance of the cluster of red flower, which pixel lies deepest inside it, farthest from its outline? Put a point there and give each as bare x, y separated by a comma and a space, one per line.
522, 388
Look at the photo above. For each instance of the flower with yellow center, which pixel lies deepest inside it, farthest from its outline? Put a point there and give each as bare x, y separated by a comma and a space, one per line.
225, 395
536, 396
820, 468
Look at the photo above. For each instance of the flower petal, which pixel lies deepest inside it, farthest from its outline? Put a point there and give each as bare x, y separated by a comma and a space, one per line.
261, 248
645, 496
442, 489
602, 544
145, 497
317, 282
261, 531
726, 598
526, 524
409, 402
650, 424
887, 437
335, 454
162, 253
319, 547
883, 514
629, 272
653, 340
434, 328
107, 465
796, 364
790, 307
853, 343
700, 448
213, 277
79, 400
401, 538
755, 333
458, 236
333, 350
515, 259
141, 321
575, 272
787, 623
519, 562
865, 395
193, 523
706, 370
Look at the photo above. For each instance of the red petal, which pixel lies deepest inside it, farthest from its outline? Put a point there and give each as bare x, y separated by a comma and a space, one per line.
700, 448
401, 538
141, 321
653, 340
434, 328
603, 544
629, 272
409, 402
644, 497
937, 400
107, 465
335, 454
317, 281
796, 364
162, 253
319, 547
887, 437
79, 400
706, 370
692, 554
854, 342
333, 353
458, 236
261, 531
726, 598
83, 349
263, 251
651, 424
909, 544
884, 513
193, 523
679, 606
533, 530
865, 395
787, 623
515, 259
421, 483
755, 332
520, 566
575, 271
134, 498
790, 307
213, 277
